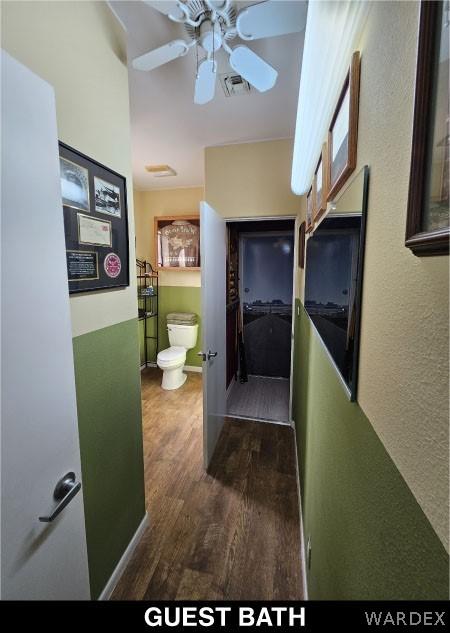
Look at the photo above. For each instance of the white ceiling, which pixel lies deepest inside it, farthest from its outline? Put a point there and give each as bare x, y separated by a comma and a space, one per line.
168, 128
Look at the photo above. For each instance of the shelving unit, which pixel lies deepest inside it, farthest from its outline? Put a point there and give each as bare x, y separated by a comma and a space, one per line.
148, 304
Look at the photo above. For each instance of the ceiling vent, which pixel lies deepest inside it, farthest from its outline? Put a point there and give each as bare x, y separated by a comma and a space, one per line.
160, 171
234, 85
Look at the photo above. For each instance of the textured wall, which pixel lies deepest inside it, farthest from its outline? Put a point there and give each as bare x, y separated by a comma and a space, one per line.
403, 377
370, 539
251, 179
173, 299
78, 47
106, 365
403, 374
180, 299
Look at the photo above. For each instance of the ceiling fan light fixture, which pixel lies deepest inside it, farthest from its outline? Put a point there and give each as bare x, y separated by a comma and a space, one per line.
210, 25
210, 36
160, 171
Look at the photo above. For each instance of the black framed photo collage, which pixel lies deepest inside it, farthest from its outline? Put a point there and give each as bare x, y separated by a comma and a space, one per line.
94, 202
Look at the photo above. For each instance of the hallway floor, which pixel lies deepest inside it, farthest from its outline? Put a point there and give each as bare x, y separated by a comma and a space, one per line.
230, 534
260, 398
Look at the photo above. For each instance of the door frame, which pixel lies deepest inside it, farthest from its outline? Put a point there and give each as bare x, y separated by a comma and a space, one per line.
295, 277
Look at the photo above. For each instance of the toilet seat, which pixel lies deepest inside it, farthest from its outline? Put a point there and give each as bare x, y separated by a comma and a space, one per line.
172, 356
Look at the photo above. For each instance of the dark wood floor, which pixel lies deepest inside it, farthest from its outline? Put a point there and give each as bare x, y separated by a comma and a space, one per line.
232, 533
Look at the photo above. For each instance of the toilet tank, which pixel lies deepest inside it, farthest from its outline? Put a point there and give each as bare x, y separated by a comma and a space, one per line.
182, 335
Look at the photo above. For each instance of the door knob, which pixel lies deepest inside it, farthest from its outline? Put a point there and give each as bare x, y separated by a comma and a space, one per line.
207, 356
64, 492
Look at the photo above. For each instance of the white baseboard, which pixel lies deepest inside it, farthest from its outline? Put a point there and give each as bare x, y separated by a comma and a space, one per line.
303, 558
193, 368
120, 567
144, 366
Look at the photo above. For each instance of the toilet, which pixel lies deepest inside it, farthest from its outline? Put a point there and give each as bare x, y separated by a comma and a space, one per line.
182, 329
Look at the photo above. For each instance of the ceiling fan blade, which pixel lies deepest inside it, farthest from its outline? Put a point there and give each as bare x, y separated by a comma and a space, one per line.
161, 55
254, 69
268, 19
205, 84
166, 6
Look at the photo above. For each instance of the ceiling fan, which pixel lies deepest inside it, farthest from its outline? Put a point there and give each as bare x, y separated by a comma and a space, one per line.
211, 25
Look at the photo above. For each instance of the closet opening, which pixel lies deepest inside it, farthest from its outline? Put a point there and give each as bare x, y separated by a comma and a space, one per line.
260, 272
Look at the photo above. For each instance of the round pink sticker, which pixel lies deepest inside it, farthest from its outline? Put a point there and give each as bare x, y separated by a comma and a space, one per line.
112, 265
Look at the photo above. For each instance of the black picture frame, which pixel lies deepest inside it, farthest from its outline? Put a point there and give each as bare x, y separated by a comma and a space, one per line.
301, 244
424, 242
94, 201
345, 360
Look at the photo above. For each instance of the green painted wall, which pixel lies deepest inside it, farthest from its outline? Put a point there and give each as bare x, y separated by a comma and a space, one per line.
141, 342
370, 538
109, 418
176, 299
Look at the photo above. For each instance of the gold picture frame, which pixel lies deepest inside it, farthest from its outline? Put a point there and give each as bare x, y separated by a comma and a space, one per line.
343, 131
321, 184
310, 209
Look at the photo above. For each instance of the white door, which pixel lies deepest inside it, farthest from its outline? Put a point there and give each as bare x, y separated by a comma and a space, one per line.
40, 559
213, 252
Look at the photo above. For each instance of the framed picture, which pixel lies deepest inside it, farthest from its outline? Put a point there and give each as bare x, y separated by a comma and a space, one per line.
107, 197
301, 244
74, 185
309, 209
177, 242
94, 231
427, 223
321, 184
95, 223
343, 131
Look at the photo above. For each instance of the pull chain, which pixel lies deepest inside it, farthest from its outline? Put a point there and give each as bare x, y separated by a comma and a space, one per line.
196, 54
214, 41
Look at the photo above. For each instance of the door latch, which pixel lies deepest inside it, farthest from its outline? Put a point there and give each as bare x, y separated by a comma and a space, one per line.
207, 356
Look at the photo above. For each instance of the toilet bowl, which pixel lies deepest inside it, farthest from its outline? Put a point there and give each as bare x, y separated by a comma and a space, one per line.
182, 331
171, 361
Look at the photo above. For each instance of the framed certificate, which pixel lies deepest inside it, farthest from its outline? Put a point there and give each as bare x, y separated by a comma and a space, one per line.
95, 223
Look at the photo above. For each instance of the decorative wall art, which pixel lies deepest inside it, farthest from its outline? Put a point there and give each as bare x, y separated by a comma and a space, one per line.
95, 223
309, 209
301, 244
107, 198
74, 185
343, 131
427, 224
178, 242
321, 184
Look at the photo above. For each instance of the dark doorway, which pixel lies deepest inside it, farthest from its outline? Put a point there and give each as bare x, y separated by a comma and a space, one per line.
260, 270
266, 283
